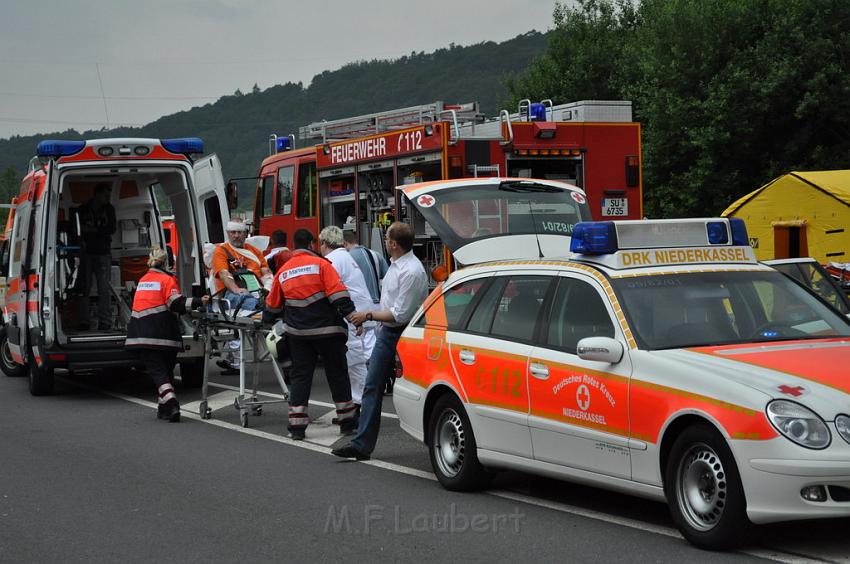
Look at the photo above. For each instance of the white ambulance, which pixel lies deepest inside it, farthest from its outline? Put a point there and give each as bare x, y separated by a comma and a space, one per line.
46, 309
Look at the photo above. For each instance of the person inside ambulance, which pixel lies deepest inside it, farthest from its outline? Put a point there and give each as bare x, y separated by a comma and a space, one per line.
332, 247
314, 303
97, 223
154, 331
241, 271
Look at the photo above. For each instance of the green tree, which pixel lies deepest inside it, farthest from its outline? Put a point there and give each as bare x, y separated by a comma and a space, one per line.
730, 93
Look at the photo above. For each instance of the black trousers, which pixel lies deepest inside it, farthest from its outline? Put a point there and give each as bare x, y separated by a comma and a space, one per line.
159, 364
305, 352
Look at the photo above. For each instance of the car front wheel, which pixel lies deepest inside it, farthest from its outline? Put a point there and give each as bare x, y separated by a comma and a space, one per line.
453, 450
704, 491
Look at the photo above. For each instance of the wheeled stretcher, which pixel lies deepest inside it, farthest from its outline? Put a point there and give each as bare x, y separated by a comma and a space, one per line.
215, 327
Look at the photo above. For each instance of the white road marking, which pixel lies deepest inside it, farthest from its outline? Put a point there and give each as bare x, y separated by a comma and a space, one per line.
766, 553
214, 402
279, 396
322, 431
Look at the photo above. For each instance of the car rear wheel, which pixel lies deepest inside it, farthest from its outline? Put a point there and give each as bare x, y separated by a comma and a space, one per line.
704, 491
9, 366
40, 378
453, 450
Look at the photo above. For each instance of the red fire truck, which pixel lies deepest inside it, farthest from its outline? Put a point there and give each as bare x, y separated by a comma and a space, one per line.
347, 176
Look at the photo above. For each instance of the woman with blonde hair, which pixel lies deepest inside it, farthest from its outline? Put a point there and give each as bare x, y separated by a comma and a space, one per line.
154, 330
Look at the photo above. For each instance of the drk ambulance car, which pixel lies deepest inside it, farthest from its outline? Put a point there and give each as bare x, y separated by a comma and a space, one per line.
658, 359
45, 304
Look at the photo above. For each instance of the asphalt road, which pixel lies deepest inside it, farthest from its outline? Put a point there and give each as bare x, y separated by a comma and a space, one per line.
89, 474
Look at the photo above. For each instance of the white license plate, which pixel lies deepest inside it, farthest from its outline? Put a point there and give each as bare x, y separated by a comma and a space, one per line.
615, 207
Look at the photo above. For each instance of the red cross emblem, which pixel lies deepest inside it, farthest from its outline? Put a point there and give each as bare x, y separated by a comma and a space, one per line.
578, 197
425, 201
795, 391
583, 397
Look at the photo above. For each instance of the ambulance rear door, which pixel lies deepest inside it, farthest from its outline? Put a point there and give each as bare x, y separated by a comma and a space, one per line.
210, 201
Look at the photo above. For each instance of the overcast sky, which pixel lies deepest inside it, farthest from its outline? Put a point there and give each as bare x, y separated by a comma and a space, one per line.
92, 63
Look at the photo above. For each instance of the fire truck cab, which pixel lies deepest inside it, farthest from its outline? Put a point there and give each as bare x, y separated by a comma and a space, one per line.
45, 303
347, 178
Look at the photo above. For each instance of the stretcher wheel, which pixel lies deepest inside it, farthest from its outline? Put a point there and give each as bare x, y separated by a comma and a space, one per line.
243, 418
204, 411
257, 410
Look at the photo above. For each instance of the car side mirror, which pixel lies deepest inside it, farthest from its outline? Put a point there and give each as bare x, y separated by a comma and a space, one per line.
231, 192
600, 349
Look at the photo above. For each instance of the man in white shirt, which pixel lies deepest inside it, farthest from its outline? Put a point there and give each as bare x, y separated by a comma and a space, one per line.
405, 288
359, 347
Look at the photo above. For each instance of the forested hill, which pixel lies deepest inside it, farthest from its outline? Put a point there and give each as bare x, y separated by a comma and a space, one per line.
237, 127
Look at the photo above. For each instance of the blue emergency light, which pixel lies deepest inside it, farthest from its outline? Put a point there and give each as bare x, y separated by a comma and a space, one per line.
283, 144
739, 231
537, 111
184, 145
718, 234
58, 148
594, 238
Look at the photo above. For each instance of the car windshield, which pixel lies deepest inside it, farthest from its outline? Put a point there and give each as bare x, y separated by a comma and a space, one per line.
709, 308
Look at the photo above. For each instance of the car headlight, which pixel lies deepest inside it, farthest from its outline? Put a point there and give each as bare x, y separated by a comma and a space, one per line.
798, 423
842, 424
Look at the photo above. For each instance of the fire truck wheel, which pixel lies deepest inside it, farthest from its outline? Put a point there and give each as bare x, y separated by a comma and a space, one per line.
40, 378
9, 366
453, 450
704, 491
192, 373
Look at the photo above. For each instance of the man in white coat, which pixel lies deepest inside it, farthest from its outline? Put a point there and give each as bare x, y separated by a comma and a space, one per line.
331, 245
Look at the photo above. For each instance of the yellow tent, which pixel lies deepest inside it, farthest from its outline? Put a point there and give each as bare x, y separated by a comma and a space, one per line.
799, 214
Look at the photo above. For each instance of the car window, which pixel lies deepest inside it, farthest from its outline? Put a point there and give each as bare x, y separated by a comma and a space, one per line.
482, 317
459, 299
577, 311
519, 307
456, 302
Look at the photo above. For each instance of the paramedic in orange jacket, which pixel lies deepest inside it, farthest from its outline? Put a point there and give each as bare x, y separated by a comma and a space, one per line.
314, 303
154, 331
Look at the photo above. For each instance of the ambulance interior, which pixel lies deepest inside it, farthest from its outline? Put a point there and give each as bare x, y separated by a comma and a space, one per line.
139, 199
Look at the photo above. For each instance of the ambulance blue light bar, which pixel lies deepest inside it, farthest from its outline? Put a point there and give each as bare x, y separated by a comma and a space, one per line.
594, 238
607, 237
184, 145
58, 148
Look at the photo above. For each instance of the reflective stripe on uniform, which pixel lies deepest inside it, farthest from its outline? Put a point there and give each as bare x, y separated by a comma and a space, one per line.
334, 297
331, 330
345, 410
149, 311
298, 416
306, 301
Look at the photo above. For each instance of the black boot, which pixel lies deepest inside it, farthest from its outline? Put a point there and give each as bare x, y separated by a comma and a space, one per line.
169, 411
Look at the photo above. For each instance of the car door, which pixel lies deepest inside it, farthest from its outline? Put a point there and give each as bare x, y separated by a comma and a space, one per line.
579, 408
490, 355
